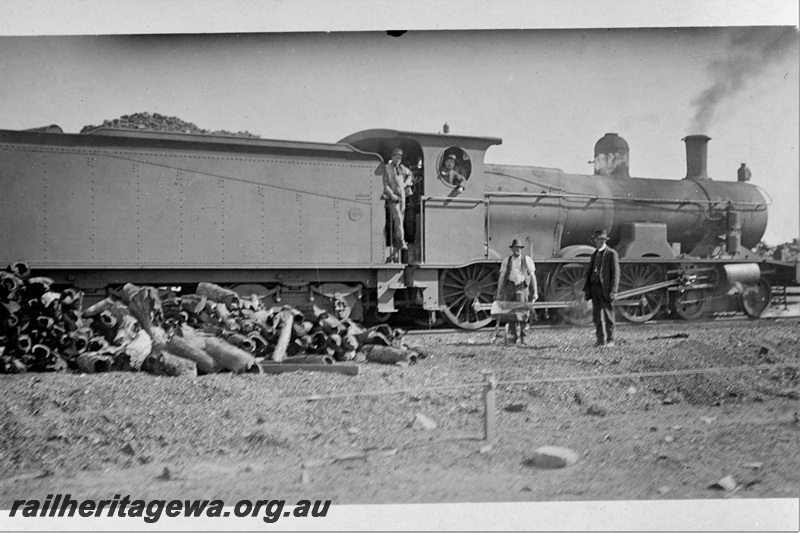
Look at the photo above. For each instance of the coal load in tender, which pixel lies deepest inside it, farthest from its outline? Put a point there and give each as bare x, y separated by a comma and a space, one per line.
162, 123
210, 331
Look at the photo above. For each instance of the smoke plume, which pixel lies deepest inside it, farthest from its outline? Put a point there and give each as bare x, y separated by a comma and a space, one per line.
750, 51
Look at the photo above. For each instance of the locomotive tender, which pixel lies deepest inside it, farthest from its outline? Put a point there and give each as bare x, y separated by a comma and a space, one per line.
304, 223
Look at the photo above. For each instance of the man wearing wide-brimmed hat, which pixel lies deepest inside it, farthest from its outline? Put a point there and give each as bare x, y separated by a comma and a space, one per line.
397, 179
602, 283
517, 283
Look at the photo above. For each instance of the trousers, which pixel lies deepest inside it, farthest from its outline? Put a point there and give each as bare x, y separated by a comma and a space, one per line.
397, 210
512, 293
602, 315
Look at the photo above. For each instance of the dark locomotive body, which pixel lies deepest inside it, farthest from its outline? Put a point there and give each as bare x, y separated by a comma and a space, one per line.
305, 224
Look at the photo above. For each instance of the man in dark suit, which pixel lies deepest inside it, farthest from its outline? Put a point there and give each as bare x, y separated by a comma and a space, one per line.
602, 283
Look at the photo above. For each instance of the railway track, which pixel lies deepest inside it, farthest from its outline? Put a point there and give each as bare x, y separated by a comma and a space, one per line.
711, 322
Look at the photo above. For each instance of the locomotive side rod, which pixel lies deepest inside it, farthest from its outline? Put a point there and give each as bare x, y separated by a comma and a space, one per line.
685, 281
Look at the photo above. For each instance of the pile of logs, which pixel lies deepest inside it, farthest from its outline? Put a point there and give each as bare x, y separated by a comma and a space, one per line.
39, 329
212, 330
158, 122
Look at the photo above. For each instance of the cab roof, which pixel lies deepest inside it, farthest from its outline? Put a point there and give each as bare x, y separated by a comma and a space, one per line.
375, 140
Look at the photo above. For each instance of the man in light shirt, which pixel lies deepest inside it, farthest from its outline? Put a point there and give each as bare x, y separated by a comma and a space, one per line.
517, 283
397, 182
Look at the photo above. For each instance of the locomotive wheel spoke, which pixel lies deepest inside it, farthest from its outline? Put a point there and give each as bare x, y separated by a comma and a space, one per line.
460, 309
461, 288
459, 276
487, 287
645, 306
690, 304
487, 278
566, 284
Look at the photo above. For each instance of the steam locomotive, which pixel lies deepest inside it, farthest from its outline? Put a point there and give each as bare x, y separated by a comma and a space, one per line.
305, 224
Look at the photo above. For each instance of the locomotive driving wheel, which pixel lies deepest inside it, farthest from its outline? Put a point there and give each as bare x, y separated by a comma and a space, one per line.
645, 306
566, 285
690, 304
462, 288
756, 298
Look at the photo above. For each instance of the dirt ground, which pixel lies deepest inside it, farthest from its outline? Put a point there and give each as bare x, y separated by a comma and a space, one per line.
232, 437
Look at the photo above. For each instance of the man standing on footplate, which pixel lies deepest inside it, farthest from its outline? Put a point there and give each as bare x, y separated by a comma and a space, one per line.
397, 181
602, 284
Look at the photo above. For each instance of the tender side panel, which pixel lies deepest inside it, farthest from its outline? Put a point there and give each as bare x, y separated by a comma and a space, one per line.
48, 207
109, 207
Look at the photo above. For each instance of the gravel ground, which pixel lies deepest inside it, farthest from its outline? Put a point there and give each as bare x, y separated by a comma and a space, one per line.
248, 436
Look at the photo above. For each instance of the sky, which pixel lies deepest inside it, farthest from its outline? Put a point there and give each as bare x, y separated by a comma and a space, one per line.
550, 94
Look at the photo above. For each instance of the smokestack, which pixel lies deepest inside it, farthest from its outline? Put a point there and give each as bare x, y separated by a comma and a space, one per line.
696, 156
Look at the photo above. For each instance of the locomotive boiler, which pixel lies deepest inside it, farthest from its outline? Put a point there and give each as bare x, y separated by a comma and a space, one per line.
305, 224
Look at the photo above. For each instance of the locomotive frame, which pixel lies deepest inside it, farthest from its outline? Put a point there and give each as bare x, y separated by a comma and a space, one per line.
304, 223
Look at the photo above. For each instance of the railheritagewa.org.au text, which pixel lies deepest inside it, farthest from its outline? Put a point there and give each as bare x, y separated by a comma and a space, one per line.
151, 511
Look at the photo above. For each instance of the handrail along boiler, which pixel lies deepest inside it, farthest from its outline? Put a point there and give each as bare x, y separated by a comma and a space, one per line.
304, 223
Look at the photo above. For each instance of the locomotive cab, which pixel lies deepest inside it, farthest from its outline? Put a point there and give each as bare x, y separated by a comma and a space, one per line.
448, 192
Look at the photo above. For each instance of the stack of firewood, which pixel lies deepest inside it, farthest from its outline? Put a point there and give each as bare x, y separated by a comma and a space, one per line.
283, 334
210, 331
40, 329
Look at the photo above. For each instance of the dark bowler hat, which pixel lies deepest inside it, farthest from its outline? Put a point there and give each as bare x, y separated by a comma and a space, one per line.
515, 244
600, 234
397, 151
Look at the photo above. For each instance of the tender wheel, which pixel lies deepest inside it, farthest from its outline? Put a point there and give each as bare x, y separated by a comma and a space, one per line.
645, 306
690, 304
372, 316
246, 290
756, 298
461, 288
566, 285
